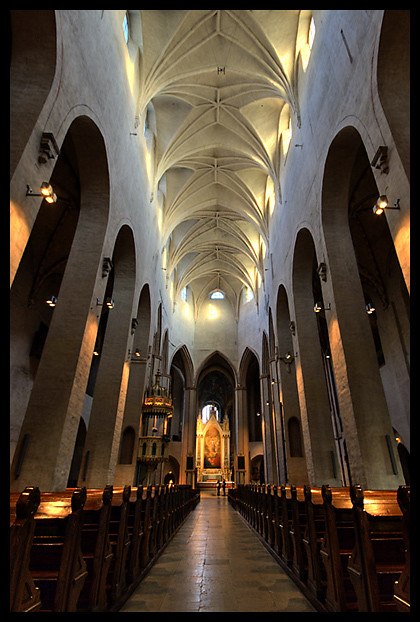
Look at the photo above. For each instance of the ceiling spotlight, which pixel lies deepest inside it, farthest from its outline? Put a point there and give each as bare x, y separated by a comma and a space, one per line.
382, 204
47, 192
318, 307
108, 302
52, 301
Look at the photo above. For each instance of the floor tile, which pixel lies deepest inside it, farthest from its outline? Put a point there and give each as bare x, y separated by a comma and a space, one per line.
215, 563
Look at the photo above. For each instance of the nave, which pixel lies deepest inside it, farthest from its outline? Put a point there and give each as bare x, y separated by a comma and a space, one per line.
216, 563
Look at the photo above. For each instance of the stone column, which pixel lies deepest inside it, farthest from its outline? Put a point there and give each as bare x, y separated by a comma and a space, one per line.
188, 434
241, 435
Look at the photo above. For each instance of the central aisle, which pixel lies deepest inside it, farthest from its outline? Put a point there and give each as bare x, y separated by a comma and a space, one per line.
216, 563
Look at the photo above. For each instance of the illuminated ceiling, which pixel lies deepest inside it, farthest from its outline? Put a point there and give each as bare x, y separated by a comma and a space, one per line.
218, 88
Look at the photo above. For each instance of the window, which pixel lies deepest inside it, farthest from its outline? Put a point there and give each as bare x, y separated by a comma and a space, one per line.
126, 28
295, 441
184, 294
311, 35
217, 294
205, 413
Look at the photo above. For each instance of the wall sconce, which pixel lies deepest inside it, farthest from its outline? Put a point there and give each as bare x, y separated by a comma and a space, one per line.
288, 358
318, 307
52, 301
134, 356
47, 192
370, 308
382, 204
108, 302
258, 414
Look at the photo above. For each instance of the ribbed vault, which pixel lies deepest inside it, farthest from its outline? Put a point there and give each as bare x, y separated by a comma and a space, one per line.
218, 90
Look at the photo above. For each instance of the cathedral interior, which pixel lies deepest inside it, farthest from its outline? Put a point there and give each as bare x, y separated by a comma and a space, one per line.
209, 248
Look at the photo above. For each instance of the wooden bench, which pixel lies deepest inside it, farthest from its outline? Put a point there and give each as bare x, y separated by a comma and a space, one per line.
24, 594
402, 586
336, 548
96, 549
285, 520
378, 558
135, 532
312, 540
56, 561
297, 530
119, 540
147, 527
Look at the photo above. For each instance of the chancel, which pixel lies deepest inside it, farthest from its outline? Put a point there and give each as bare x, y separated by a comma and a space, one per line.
209, 292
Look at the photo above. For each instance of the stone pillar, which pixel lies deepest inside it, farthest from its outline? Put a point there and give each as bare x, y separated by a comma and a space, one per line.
241, 435
188, 433
269, 432
55, 405
125, 473
280, 443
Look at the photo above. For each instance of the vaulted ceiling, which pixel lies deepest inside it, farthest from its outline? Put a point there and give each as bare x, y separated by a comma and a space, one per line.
218, 90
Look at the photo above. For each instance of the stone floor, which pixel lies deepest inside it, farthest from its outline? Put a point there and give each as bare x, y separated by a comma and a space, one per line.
216, 563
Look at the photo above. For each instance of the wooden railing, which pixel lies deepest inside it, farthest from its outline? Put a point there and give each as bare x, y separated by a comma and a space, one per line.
86, 550
348, 549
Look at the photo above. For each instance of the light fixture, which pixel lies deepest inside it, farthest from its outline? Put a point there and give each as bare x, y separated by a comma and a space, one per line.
382, 204
258, 414
318, 307
108, 302
288, 358
52, 301
133, 356
47, 192
370, 308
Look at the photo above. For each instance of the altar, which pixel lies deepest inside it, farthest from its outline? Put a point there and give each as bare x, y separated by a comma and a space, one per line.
212, 450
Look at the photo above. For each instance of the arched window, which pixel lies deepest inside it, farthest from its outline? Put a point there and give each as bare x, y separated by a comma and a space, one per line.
205, 413
217, 294
127, 446
154, 449
295, 440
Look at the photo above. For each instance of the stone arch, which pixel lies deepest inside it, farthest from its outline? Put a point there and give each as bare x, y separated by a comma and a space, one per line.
104, 430
33, 60
347, 192
72, 329
318, 437
138, 360
393, 76
289, 397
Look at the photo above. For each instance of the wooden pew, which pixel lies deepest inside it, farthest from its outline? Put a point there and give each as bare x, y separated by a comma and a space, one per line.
378, 557
297, 530
337, 547
276, 503
119, 540
24, 595
135, 532
147, 527
96, 549
402, 586
312, 540
285, 522
269, 516
56, 562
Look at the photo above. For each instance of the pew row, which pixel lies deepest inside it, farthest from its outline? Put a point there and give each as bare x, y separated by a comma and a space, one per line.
87, 550
346, 548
